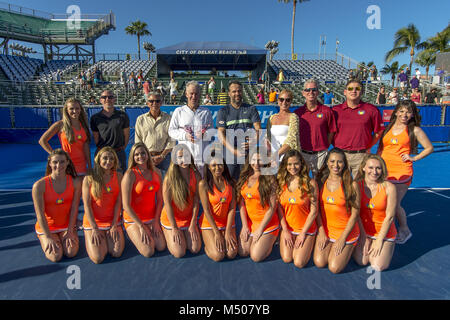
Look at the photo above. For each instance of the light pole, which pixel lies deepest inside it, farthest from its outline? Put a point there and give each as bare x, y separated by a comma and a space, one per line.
272, 47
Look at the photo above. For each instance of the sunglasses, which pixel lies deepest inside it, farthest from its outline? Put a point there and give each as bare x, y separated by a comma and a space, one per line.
285, 99
104, 97
311, 89
153, 101
355, 88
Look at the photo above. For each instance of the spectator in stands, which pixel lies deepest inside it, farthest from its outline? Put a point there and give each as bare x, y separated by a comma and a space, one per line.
404, 96
351, 75
207, 100
432, 97
416, 96
132, 83
173, 85
56, 199
282, 127
403, 79
393, 96
373, 73
190, 122
445, 100
140, 79
261, 96
89, 79
317, 127
146, 89
414, 82
124, 78
211, 87
280, 77
97, 75
92, 101
111, 127
408, 74
381, 96
272, 95
236, 115
418, 73
222, 97
359, 125
152, 129
328, 97
74, 136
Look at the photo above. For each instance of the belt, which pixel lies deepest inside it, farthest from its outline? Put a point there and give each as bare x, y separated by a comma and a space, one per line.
311, 152
355, 151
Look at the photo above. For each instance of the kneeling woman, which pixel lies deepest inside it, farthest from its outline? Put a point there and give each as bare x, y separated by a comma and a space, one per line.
142, 202
339, 204
102, 205
218, 199
378, 203
181, 204
297, 209
56, 198
258, 203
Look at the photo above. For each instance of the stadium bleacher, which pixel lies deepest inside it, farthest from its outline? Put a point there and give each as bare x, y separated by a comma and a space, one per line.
305, 69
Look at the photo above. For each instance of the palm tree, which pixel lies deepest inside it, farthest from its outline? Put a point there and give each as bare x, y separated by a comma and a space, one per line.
139, 29
294, 2
426, 59
405, 39
392, 69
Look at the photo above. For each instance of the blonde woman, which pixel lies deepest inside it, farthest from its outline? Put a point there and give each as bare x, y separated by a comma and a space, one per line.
102, 207
56, 198
181, 204
282, 127
73, 133
142, 201
377, 211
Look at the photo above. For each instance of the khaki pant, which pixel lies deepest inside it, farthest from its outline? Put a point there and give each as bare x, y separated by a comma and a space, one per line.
354, 161
315, 161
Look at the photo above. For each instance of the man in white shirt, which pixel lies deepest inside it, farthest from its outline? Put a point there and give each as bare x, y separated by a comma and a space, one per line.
189, 124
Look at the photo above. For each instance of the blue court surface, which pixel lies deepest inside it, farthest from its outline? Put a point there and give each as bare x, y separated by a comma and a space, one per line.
420, 269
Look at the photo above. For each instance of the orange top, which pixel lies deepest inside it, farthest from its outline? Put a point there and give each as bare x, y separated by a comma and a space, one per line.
373, 212
334, 214
143, 197
296, 209
394, 146
57, 206
103, 208
219, 205
255, 212
182, 216
75, 150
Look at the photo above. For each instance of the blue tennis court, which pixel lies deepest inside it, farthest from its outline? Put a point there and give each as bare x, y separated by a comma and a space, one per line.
419, 268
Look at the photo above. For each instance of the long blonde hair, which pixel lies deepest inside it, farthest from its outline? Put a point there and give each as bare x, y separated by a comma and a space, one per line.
132, 163
67, 124
96, 178
178, 187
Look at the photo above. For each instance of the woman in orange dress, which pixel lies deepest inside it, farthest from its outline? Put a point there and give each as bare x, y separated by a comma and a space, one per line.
56, 198
181, 204
398, 141
297, 210
378, 201
142, 201
258, 203
218, 198
102, 207
339, 205
73, 133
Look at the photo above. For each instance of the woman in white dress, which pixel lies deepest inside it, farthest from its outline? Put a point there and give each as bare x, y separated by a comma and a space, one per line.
282, 127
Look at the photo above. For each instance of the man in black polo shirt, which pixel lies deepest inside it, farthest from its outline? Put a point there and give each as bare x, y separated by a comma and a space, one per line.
236, 115
111, 127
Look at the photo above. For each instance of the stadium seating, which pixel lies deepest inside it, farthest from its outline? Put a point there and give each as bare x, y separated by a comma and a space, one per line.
304, 69
19, 69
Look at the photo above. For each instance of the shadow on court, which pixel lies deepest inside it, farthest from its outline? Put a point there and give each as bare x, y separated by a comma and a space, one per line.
30, 272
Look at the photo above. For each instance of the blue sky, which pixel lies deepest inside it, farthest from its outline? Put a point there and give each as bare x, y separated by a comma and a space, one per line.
255, 22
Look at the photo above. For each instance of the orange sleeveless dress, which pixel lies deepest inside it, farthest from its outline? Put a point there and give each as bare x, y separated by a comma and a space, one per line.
76, 149
219, 206
373, 213
57, 206
394, 146
103, 208
296, 210
335, 215
143, 198
182, 216
256, 212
